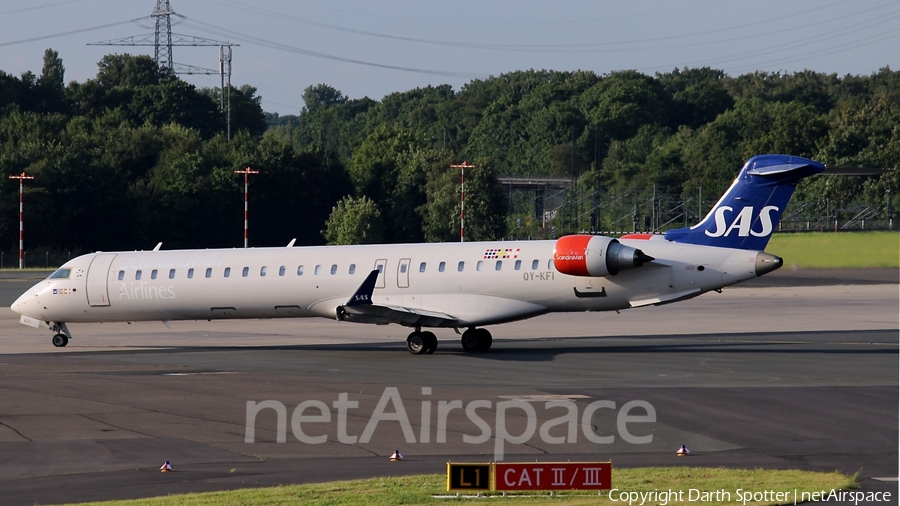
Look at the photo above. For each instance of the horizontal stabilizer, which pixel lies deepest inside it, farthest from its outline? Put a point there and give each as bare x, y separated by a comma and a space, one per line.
839, 170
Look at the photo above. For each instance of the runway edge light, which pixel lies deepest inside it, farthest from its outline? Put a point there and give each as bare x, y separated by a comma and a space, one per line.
683, 451
396, 456
165, 468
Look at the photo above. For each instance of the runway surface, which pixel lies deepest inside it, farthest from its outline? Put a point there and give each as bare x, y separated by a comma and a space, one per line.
777, 377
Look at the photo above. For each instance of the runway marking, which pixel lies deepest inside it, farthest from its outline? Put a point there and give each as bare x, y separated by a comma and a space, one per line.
199, 373
885, 478
545, 397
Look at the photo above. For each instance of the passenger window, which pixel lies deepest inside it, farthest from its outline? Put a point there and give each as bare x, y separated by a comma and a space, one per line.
121, 275
461, 266
318, 270
550, 264
380, 268
441, 266
153, 274
299, 270
171, 273
227, 272
403, 269
209, 272
334, 269
478, 265
534, 265
137, 274
518, 264
245, 272
190, 273
262, 271
281, 271
352, 268
498, 265
422, 267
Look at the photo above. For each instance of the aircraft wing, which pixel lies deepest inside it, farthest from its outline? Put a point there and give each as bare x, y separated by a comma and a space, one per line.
360, 309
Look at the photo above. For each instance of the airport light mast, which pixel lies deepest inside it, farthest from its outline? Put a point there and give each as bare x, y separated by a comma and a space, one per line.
21, 177
462, 197
246, 172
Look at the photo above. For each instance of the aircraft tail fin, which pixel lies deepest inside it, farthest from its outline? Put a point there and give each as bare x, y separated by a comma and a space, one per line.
748, 213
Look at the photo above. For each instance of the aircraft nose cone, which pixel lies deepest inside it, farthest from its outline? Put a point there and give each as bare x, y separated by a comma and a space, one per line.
17, 305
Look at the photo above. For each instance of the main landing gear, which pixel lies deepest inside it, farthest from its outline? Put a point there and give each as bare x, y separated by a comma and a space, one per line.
61, 338
421, 342
475, 340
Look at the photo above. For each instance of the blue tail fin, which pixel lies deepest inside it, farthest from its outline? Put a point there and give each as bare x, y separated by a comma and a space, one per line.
750, 210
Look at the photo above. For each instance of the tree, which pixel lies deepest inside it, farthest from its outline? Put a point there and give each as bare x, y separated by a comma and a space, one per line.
246, 111
485, 205
698, 95
354, 221
127, 71
321, 96
618, 105
391, 167
51, 84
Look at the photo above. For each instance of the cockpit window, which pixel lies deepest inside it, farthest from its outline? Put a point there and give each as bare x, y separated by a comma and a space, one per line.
61, 274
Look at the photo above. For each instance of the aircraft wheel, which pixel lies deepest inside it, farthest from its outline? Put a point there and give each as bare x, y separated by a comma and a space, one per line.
485, 340
470, 340
60, 340
415, 343
431, 342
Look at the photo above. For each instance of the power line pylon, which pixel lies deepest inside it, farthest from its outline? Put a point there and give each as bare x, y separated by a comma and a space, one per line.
162, 52
162, 13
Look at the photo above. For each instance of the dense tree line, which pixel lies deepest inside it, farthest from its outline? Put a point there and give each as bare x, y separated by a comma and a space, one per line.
136, 156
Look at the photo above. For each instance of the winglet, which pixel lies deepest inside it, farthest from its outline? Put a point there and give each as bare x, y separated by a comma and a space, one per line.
291, 244
159, 245
363, 294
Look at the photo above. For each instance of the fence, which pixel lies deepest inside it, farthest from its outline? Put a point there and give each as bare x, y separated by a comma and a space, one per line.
551, 214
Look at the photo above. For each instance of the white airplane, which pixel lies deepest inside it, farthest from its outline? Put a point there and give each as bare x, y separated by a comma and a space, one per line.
456, 285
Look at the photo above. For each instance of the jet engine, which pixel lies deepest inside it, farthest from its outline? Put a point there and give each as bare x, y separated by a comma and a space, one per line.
595, 255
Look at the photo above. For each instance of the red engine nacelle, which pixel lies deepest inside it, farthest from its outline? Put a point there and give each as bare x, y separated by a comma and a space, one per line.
595, 255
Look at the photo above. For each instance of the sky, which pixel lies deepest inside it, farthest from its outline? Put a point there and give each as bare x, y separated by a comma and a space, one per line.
377, 47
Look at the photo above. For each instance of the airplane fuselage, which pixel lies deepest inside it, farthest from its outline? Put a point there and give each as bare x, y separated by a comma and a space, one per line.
478, 283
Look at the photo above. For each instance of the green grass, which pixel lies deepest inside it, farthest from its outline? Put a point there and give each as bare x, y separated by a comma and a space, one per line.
837, 250
414, 490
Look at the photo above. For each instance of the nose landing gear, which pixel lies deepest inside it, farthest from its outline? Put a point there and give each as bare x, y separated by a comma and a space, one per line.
60, 340
62, 336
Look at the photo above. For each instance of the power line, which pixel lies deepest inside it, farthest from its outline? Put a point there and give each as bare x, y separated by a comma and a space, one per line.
805, 42
316, 54
72, 32
561, 48
829, 51
36, 7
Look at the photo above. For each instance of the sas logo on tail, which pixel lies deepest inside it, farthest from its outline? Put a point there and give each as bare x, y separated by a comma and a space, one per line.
742, 222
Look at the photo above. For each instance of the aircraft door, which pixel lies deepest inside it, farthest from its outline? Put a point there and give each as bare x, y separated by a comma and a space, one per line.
403, 273
380, 266
97, 277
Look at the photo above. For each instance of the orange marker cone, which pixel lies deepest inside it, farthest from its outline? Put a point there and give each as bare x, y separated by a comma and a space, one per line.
396, 456
683, 451
165, 468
